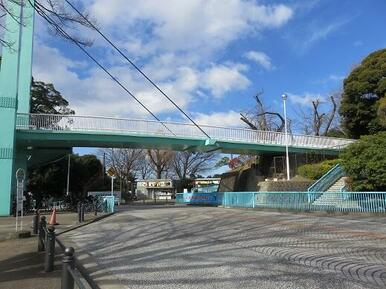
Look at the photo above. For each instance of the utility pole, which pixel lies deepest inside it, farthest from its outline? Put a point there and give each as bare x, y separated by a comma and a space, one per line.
104, 167
68, 175
284, 97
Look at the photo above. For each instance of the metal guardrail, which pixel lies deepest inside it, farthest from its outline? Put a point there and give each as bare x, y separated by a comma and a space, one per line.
328, 179
70, 264
362, 202
77, 123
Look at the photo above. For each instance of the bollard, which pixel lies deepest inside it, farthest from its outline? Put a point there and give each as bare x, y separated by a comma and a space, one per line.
68, 264
35, 223
50, 250
82, 210
42, 233
79, 212
95, 208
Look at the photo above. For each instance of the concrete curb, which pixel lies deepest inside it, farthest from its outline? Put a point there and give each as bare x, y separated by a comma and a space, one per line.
86, 223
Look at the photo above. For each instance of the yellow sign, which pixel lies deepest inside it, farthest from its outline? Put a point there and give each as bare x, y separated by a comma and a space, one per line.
111, 172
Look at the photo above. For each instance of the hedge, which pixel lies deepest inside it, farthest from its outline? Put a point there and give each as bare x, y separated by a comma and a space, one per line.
316, 171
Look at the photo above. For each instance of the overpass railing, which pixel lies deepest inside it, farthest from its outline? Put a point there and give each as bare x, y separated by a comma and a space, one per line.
77, 123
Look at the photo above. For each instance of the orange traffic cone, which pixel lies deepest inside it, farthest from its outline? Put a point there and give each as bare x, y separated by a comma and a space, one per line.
53, 218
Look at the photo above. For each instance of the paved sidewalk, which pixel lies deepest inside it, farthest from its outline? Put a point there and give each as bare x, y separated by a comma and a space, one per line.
21, 266
65, 220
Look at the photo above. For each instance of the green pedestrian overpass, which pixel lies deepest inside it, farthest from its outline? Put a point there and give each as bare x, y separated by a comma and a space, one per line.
50, 131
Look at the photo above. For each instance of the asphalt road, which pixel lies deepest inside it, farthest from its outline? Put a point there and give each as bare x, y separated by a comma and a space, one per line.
205, 247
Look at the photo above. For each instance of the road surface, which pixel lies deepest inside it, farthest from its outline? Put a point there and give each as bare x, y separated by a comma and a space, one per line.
207, 247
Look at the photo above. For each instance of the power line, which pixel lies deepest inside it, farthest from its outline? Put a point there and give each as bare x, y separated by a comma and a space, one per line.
62, 31
136, 67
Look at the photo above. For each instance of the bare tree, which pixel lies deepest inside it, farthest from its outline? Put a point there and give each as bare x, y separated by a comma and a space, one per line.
159, 161
62, 21
144, 169
185, 164
125, 162
261, 118
321, 117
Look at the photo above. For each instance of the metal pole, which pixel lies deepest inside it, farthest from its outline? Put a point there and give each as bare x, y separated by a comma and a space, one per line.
79, 212
68, 175
22, 205
68, 262
50, 250
42, 233
82, 211
36, 222
284, 97
104, 167
112, 186
95, 207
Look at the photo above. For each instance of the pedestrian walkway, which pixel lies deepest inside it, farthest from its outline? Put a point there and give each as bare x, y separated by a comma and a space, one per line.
21, 266
65, 220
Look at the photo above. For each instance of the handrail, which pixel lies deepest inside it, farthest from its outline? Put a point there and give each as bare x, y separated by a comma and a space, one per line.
327, 179
77, 123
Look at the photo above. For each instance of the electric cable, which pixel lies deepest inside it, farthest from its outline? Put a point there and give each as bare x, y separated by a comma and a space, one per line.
62, 31
135, 66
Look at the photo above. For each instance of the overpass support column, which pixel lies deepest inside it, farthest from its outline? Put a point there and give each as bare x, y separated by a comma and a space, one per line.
15, 81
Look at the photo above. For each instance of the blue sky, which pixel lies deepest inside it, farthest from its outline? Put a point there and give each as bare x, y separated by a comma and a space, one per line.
212, 56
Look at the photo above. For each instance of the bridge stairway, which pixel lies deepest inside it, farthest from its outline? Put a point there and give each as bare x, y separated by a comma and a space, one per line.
334, 197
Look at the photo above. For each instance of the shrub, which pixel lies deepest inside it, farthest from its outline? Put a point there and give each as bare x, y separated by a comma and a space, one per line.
365, 163
316, 171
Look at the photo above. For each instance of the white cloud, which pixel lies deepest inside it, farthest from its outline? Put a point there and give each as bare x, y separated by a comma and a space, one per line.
175, 42
260, 58
185, 26
97, 94
358, 43
320, 32
305, 99
332, 78
220, 79
223, 119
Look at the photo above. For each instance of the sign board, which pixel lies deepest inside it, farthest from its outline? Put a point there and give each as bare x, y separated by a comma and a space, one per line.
200, 198
20, 176
111, 172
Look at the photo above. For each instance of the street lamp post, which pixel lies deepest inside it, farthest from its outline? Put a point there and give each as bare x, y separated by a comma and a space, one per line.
284, 97
68, 175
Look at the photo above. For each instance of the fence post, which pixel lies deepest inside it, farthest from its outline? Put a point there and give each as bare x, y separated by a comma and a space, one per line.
68, 264
35, 223
96, 208
50, 250
79, 212
42, 233
82, 211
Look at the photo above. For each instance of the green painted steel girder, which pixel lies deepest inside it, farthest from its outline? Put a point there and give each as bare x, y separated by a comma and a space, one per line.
39, 138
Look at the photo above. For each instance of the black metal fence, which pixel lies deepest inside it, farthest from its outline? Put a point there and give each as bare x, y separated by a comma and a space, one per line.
73, 272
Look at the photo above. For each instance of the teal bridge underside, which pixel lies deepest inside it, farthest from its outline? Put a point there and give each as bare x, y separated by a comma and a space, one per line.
49, 131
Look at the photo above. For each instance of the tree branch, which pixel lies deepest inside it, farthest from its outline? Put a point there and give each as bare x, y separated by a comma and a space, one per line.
331, 116
250, 124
